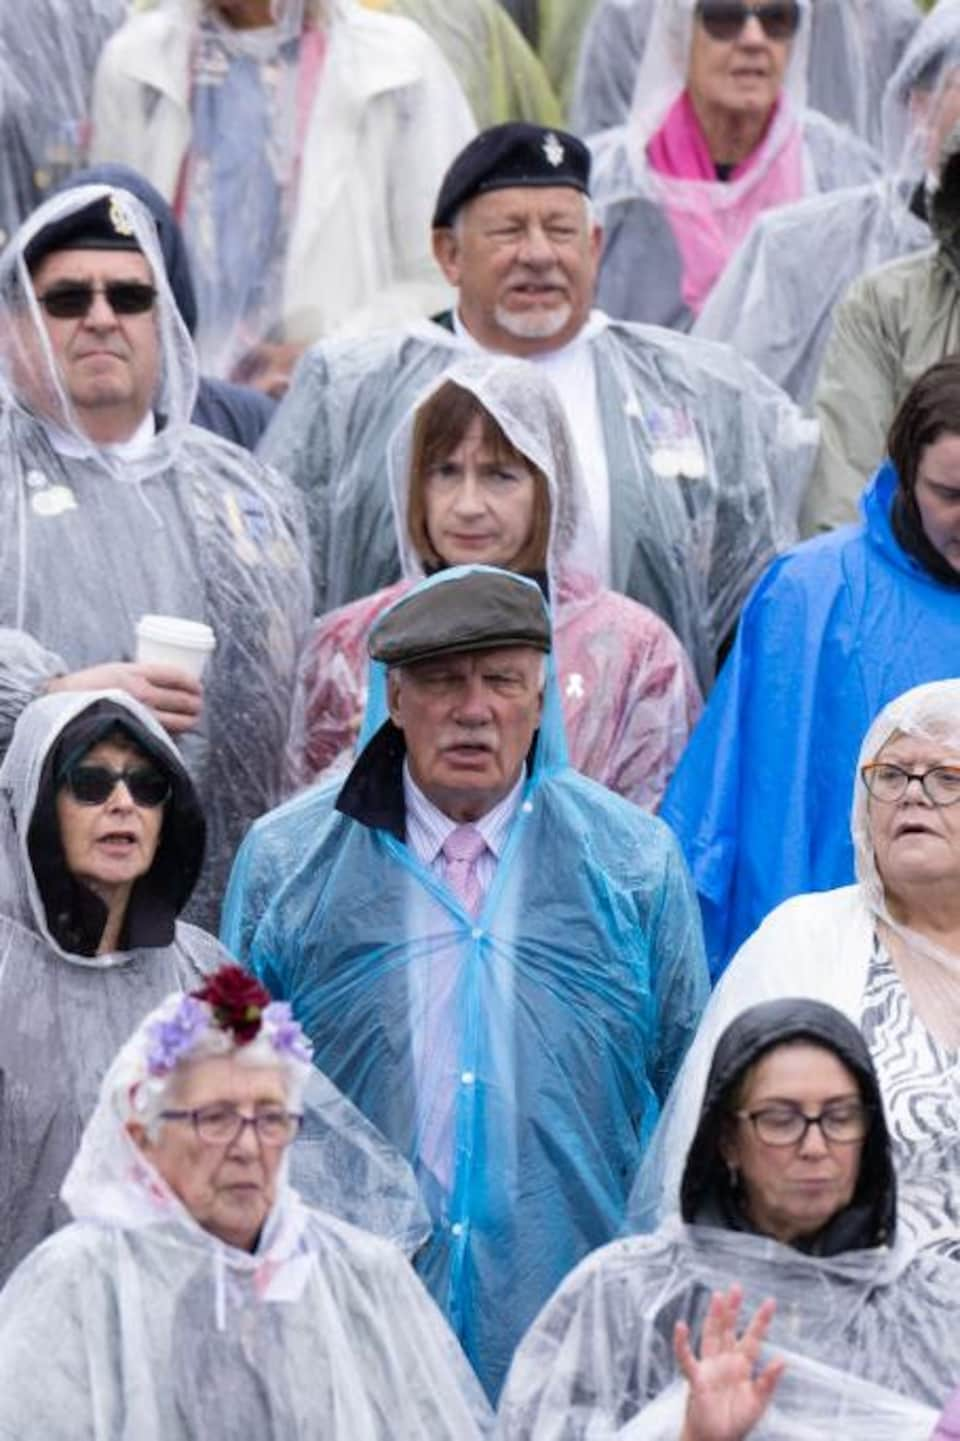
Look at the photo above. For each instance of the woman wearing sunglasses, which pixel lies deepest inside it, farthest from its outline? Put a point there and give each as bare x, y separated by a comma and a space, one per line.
719, 132
787, 1195
101, 840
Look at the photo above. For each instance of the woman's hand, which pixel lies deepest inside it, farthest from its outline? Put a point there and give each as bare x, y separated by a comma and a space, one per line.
725, 1399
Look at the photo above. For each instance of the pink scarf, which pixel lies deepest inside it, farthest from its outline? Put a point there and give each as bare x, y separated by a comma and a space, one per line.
707, 232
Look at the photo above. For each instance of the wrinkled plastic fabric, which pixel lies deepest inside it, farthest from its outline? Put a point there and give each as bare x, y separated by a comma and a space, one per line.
350, 122
776, 299
187, 526
855, 45
686, 546
501, 76
322, 1329
62, 1016
869, 1338
629, 695
833, 631
948, 1426
642, 272
575, 993
51, 48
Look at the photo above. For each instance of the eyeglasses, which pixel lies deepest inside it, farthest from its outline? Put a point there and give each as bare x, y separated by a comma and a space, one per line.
941, 784
222, 1125
125, 297
92, 785
842, 1123
724, 19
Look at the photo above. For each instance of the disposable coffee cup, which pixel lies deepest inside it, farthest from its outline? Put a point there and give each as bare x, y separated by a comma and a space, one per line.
168, 640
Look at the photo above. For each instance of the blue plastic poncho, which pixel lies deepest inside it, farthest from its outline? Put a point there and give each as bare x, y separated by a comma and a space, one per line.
761, 800
575, 993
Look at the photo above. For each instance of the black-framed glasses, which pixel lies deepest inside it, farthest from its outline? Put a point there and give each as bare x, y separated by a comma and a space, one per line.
724, 19
72, 300
220, 1125
887, 782
841, 1123
92, 785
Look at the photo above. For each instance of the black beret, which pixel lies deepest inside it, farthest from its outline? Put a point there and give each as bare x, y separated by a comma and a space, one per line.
477, 610
513, 154
104, 224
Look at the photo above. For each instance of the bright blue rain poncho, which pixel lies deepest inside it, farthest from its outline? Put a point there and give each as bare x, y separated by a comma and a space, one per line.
833, 631
576, 992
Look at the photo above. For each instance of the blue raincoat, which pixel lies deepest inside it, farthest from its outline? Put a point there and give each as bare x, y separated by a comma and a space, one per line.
577, 990
834, 630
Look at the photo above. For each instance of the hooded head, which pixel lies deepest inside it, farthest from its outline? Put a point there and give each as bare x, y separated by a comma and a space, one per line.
713, 1193
920, 100
51, 735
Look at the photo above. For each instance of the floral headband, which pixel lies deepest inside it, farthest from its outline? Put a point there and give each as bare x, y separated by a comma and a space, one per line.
236, 1004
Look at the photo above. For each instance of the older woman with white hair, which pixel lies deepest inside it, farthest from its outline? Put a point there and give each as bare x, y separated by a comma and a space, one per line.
886, 951
195, 1291
719, 132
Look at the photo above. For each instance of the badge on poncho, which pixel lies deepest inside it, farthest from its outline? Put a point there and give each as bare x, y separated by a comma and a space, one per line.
53, 500
675, 444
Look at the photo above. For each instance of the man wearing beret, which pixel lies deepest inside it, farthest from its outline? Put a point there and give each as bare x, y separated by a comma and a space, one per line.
113, 506
498, 960
694, 463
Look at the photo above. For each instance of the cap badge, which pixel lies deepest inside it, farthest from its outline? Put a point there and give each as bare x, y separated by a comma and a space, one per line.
553, 151
119, 218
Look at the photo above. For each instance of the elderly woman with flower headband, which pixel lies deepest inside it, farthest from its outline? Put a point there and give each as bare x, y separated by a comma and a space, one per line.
195, 1289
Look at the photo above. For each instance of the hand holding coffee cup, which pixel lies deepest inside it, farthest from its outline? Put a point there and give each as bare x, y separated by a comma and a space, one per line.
174, 696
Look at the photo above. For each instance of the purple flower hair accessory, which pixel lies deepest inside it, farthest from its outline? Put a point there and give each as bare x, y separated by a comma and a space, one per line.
285, 1034
172, 1039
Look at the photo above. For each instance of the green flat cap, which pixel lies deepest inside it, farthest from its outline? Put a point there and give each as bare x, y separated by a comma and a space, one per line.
478, 609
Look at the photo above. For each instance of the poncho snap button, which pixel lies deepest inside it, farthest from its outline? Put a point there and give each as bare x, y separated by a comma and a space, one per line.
467, 1077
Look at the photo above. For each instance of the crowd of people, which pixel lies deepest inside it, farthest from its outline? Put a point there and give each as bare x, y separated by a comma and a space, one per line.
479, 720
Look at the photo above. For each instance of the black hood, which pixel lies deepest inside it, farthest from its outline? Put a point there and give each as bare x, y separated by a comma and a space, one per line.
707, 1194
75, 915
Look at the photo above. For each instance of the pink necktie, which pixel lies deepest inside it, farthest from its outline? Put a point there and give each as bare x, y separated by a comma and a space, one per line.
461, 851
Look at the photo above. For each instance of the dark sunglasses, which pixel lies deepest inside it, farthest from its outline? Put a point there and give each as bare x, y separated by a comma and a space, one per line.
125, 297
724, 19
92, 785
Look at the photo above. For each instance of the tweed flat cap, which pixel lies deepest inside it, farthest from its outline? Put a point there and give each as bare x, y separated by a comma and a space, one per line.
102, 225
479, 609
516, 153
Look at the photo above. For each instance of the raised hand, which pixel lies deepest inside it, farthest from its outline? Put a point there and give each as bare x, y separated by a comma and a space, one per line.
726, 1399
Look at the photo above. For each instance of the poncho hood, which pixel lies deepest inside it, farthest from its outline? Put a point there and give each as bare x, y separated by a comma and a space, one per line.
707, 1194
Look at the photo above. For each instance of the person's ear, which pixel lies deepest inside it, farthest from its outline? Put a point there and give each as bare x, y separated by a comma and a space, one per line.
393, 698
446, 252
139, 1135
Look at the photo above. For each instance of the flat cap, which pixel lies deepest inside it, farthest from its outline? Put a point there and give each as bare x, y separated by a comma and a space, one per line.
104, 224
478, 609
516, 153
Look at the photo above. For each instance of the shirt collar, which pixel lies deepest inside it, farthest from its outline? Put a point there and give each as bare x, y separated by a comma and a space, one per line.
428, 827
64, 443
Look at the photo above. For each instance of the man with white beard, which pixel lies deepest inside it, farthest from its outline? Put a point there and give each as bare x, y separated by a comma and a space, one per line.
694, 463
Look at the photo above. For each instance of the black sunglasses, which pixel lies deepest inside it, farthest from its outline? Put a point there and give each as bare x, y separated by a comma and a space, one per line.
92, 785
724, 19
125, 297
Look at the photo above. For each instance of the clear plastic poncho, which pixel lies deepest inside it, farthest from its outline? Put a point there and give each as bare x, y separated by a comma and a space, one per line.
855, 46
629, 695
569, 1002
51, 48
824, 945
667, 239
501, 76
62, 1015
775, 301
180, 523
322, 1330
864, 1323
706, 462
330, 131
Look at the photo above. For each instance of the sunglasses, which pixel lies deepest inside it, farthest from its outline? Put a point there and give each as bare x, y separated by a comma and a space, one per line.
725, 19
92, 785
125, 297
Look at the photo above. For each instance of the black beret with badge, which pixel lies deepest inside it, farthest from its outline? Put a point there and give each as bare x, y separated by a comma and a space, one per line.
514, 154
104, 224
481, 609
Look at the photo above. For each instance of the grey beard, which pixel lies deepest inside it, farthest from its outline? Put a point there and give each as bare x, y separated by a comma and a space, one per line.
535, 324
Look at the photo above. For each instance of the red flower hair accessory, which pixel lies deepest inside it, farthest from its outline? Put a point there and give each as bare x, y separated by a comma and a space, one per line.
237, 1000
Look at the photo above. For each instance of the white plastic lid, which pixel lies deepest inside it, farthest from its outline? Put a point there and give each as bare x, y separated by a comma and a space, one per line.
172, 630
